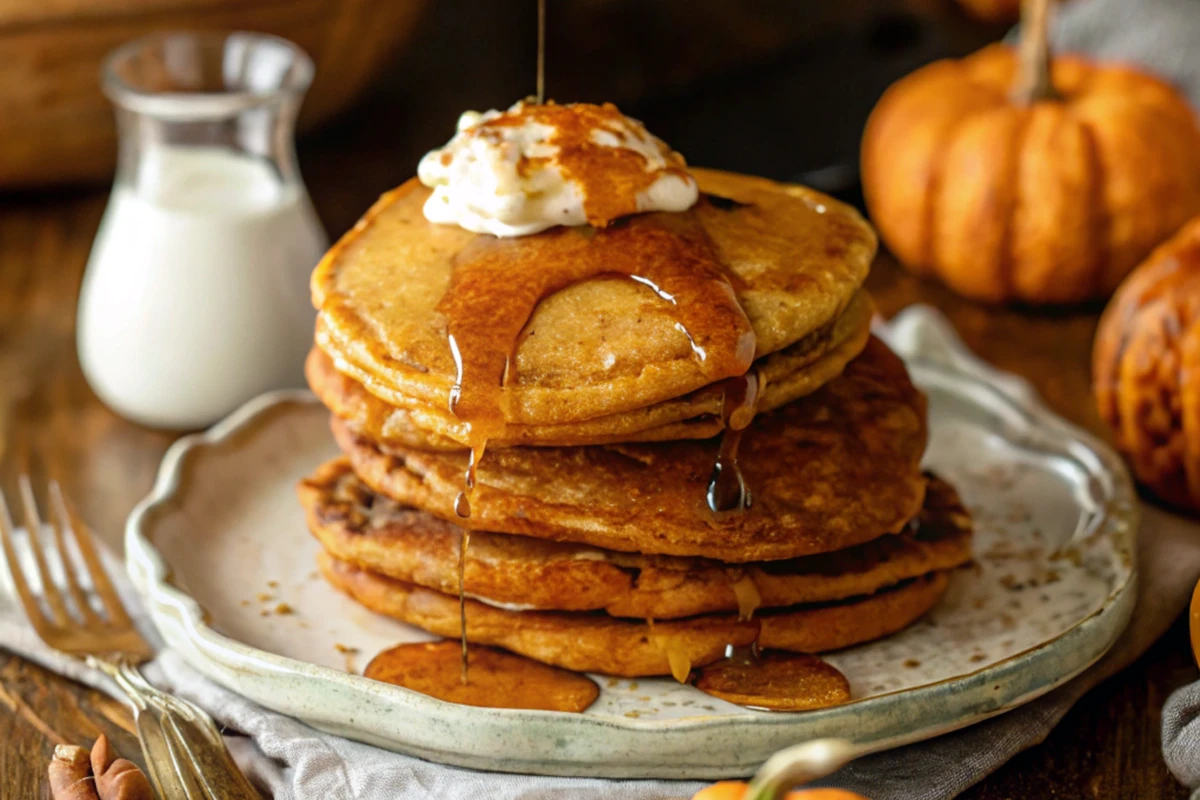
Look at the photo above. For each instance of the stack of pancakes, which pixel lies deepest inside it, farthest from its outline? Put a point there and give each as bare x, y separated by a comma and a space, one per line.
625, 449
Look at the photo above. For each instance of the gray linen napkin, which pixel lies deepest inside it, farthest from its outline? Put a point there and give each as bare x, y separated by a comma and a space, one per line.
1181, 735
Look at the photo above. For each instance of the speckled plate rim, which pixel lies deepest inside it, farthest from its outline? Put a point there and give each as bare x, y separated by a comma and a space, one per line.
698, 747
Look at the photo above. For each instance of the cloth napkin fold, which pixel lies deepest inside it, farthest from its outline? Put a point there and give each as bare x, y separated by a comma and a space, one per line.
288, 759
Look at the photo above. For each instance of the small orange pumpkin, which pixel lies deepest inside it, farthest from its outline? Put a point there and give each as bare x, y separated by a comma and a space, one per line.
1013, 179
1146, 369
736, 790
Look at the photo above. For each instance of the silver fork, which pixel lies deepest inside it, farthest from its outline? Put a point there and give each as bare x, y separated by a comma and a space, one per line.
184, 751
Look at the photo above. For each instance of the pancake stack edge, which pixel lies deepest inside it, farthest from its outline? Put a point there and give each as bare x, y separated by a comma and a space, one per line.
593, 544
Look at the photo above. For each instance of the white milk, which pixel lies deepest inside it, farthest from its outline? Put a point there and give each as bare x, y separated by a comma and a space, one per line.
196, 294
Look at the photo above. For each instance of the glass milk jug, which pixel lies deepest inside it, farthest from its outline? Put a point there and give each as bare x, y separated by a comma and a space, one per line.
196, 293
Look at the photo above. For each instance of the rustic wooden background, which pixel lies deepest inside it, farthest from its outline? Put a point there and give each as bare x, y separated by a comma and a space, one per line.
1107, 747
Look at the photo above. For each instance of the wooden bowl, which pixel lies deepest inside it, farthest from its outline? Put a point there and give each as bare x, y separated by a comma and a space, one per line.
57, 126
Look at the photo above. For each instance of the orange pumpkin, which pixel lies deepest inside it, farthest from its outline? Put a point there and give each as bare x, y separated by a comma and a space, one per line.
735, 790
1018, 178
1146, 369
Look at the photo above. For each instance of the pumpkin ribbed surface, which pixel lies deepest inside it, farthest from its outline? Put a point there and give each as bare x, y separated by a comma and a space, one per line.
1047, 202
1146, 369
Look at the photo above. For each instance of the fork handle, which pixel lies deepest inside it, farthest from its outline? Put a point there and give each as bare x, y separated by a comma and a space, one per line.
185, 753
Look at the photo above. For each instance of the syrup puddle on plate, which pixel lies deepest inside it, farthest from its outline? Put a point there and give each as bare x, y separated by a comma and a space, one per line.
775, 681
498, 678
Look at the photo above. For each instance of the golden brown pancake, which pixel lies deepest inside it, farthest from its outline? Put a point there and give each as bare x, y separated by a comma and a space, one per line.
602, 345
788, 374
595, 642
837, 469
372, 532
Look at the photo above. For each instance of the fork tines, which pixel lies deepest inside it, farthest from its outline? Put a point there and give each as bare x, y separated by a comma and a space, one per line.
57, 615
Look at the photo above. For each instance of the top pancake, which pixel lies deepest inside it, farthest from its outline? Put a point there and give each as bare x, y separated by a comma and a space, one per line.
783, 376
600, 346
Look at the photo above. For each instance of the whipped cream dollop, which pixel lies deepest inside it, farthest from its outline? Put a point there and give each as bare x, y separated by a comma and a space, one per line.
532, 167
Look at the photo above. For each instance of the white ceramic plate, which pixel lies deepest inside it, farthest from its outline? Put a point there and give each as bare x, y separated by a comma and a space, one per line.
221, 543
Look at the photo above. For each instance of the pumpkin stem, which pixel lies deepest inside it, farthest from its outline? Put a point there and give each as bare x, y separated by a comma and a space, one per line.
1033, 54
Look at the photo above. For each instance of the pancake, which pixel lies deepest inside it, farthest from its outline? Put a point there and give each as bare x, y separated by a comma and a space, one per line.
788, 374
838, 468
374, 533
592, 642
601, 345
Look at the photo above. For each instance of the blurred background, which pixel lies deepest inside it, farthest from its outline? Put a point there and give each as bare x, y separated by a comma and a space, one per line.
774, 87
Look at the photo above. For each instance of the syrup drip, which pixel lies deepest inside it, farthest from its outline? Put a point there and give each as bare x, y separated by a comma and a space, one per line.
681, 665
726, 487
462, 503
494, 291
748, 598
497, 285
742, 654
464, 542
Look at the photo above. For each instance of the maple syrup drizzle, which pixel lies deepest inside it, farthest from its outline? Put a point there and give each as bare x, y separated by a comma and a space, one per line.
776, 681
462, 503
748, 600
500, 679
742, 654
541, 53
495, 289
498, 283
769, 680
726, 486
464, 542
748, 597
680, 663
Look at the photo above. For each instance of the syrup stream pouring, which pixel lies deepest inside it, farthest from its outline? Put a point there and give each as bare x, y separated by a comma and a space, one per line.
541, 53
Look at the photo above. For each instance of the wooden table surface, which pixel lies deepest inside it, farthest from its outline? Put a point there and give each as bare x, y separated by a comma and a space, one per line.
1107, 747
